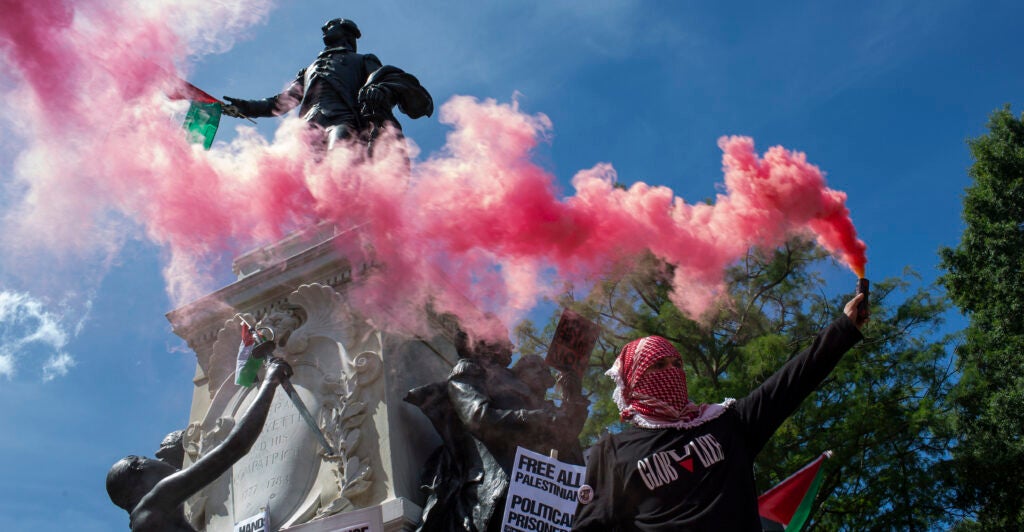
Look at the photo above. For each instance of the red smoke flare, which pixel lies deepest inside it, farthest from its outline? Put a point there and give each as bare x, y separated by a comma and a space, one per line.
112, 161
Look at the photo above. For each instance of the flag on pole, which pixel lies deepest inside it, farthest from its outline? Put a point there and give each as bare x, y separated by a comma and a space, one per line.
201, 123
788, 505
203, 117
248, 365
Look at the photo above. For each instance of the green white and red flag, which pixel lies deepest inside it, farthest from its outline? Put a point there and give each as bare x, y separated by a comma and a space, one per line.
248, 365
184, 90
203, 117
788, 505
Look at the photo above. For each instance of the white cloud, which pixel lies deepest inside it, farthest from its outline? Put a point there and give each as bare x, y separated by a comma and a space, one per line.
47, 332
6, 365
28, 331
57, 366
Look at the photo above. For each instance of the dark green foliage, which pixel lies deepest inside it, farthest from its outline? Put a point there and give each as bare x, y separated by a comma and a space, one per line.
985, 278
882, 412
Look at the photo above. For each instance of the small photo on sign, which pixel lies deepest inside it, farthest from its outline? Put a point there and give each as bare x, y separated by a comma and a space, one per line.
575, 338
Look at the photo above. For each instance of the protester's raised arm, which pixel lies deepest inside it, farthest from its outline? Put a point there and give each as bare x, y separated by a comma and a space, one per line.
765, 408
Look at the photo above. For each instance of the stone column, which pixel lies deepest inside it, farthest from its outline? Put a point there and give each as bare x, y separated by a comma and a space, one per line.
350, 375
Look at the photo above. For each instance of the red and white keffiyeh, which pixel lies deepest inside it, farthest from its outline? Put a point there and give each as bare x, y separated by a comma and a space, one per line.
656, 398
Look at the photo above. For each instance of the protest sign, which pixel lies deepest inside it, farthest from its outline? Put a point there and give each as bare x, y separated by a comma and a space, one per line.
541, 494
256, 523
574, 339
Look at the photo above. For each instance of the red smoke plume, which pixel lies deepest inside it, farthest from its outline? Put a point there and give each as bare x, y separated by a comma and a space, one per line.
102, 157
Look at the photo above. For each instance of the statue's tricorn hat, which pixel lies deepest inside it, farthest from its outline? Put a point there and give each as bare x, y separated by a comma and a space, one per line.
347, 25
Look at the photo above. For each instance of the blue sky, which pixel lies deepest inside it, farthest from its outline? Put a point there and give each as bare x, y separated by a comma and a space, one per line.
880, 95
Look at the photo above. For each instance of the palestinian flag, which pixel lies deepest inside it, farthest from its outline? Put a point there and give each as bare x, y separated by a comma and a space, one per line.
203, 117
787, 506
248, 365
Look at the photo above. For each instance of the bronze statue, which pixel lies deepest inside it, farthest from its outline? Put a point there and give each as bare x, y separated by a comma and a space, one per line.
172, 449
483, 411
343, 93
153, 491
535, 374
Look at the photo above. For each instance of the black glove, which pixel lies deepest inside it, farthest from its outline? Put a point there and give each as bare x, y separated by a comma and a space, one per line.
237, 107
375, 101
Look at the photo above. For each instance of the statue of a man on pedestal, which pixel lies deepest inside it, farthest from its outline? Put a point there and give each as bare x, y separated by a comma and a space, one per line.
153, 491
343, 93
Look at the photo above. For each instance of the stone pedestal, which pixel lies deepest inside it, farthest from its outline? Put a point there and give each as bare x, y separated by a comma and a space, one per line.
350, 375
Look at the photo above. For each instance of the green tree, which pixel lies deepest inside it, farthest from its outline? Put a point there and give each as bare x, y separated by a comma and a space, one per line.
985, 278
881, 412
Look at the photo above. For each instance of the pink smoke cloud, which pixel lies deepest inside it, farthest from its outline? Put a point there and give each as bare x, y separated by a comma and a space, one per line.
477, 224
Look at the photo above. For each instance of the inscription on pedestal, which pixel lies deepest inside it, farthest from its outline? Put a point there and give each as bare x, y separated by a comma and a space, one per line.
281, 466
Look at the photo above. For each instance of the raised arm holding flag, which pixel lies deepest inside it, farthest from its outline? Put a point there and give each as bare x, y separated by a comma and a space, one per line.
152, 491
203, 116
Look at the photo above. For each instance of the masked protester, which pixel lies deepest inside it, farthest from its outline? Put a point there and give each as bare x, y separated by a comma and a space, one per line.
687, 466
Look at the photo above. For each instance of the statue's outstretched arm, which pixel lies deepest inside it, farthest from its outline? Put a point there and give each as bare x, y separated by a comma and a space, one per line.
275, 105
477, 412
175, 489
